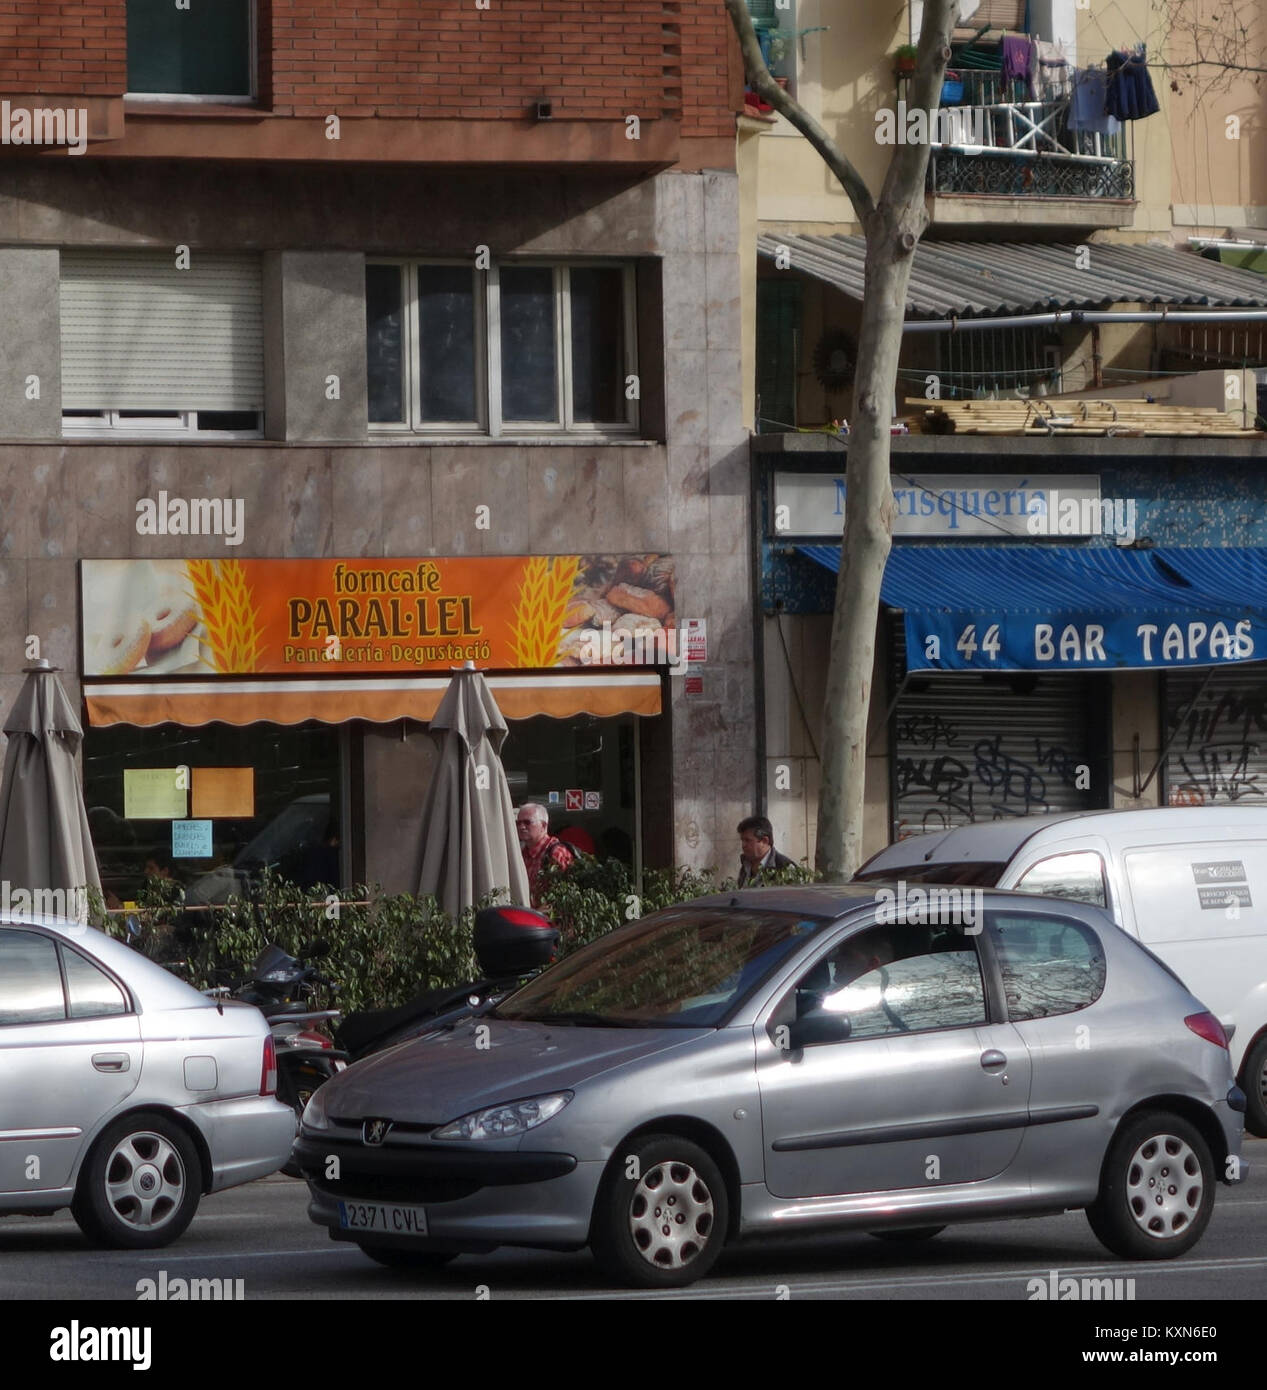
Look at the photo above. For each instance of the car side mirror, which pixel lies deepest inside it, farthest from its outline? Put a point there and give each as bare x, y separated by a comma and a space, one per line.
817, 1028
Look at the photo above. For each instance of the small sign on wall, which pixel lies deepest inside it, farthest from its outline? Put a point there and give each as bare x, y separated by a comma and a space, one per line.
227, 793
191, 839
155, 793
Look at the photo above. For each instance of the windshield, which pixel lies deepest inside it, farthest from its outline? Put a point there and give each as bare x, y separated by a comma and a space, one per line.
685, 967
976, 875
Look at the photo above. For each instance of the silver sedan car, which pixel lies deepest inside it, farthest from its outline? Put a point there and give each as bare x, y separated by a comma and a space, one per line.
793, 1060
124, 1093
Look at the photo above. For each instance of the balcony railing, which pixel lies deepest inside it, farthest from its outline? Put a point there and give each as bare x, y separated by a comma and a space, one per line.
987, 144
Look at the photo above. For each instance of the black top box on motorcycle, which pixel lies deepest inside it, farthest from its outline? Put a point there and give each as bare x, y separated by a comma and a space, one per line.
513, 940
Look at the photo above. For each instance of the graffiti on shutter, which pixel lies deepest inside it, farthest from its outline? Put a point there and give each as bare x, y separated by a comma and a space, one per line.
969, 748
1218, 742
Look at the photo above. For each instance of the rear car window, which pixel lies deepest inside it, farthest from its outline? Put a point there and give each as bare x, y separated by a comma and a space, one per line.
30, 982
92, 992
1050, 965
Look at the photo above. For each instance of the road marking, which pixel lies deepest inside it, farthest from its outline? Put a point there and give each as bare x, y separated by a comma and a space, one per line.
916, 1281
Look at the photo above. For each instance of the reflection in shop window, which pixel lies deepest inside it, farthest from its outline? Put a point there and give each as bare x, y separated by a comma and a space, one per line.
294, 829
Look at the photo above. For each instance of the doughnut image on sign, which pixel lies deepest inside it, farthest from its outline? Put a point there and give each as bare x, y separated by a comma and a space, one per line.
118, 652
141, 616
172, 621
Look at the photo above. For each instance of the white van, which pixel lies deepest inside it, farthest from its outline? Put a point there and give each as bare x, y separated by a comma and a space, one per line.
1190, 882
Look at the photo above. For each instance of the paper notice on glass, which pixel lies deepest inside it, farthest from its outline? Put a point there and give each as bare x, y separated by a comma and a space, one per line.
223, 792
155, 793
191, 839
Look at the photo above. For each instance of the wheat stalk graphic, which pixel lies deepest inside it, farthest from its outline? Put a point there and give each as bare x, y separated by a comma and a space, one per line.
537, 626
228, 613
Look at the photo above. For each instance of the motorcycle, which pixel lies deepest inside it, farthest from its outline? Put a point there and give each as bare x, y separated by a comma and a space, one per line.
511, 945
284, 988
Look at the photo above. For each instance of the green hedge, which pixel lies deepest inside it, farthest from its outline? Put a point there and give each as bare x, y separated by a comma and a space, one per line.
382, 949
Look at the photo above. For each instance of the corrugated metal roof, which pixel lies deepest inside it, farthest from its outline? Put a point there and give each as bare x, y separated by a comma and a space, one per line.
967, 278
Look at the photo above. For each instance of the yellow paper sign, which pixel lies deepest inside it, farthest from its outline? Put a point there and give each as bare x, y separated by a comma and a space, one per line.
155, 793
223, 792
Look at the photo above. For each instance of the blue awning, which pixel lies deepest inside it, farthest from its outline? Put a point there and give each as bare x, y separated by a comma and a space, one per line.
1061, 608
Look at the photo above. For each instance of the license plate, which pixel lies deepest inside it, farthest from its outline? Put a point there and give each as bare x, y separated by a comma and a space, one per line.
383, 1219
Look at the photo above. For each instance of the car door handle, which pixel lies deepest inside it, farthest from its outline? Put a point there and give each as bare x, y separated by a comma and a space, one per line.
111, 1061
993, 1059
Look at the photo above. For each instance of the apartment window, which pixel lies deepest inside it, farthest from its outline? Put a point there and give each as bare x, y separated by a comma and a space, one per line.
150, 349
521, 348
203, 51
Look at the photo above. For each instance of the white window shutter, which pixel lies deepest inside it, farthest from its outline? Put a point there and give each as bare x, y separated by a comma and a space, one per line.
139, 334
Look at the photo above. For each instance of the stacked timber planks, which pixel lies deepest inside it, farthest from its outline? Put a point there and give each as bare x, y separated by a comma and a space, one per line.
1051, 415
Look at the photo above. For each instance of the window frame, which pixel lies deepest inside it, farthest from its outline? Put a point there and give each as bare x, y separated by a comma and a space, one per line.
210, 99
108, 423
489, 423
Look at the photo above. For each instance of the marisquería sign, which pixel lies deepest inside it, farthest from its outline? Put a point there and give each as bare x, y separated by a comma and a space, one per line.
950, 505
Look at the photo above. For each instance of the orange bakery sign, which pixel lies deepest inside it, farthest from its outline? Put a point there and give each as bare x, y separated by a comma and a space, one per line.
238, 617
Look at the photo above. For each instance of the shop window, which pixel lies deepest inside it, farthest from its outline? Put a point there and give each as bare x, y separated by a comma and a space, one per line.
588, 764
290, 821
155, 350
203, 50
518, 349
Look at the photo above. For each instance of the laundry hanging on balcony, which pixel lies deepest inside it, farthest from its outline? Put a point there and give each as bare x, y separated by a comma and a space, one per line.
1053, 70
1087, 110
1130, 95
1018, 61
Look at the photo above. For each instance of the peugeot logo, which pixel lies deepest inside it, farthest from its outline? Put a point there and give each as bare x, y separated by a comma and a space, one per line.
375, 1131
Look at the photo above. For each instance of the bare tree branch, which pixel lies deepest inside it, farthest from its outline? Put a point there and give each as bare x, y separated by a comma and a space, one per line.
768, 89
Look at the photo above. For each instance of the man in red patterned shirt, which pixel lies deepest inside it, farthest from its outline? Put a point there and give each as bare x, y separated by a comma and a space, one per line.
532, 821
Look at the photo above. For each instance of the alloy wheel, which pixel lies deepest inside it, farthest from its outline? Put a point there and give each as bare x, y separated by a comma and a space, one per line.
145, 1181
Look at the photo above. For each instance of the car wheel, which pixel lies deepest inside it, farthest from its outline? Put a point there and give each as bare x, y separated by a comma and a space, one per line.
407, 1259
1255, 1086
140, 1186
915, 1233
664, 1227
1156, 1189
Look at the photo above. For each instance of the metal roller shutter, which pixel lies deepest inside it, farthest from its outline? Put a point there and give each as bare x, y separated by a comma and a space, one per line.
1218, 752
968, 747
139, 334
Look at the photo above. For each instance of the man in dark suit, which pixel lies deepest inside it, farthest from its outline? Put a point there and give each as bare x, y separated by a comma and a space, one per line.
758, 854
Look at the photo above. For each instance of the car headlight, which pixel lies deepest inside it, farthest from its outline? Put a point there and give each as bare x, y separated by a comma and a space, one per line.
504, 1121
315, 1116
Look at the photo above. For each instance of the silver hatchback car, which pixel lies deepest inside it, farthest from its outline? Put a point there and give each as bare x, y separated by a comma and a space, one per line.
793, 1060
125, 1094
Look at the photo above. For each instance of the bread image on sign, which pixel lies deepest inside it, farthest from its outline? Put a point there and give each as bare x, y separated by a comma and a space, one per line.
142, 617
620, 594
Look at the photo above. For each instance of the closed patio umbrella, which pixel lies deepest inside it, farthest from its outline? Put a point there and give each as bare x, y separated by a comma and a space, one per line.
44, 838
469, 843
